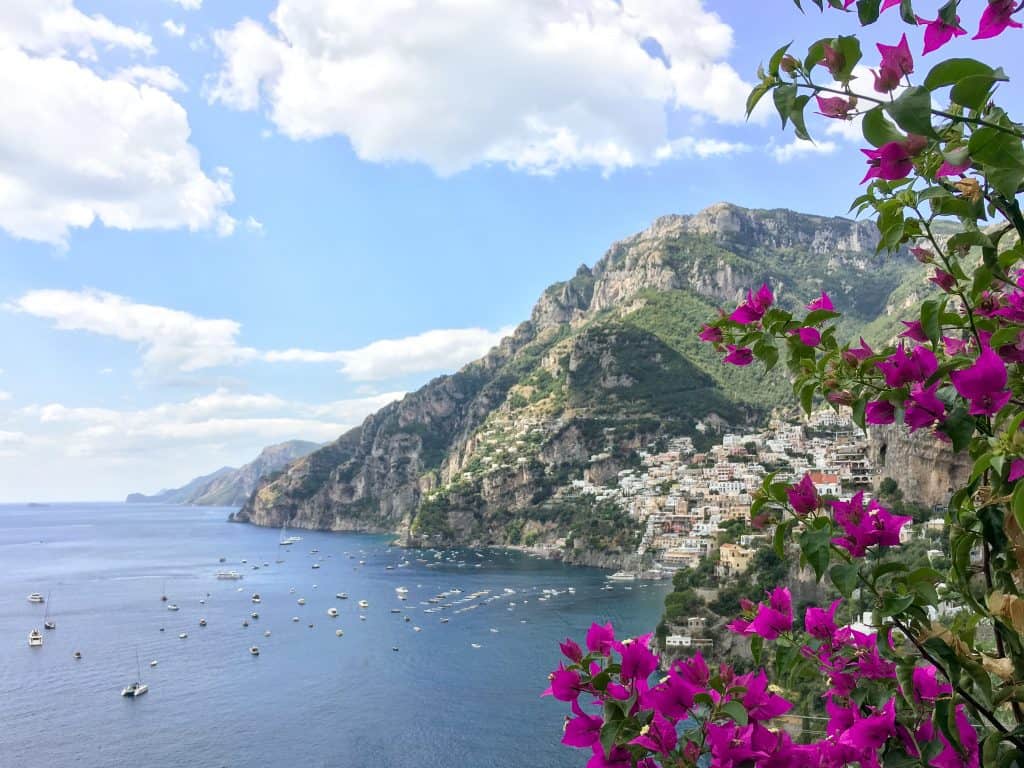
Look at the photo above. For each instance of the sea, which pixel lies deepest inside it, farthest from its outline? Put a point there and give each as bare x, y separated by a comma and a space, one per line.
459, 694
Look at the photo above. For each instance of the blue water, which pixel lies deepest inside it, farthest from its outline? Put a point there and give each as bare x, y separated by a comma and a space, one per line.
310, 698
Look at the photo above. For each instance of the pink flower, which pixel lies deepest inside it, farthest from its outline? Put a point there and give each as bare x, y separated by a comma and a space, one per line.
983, 384
926, 685
1016, 470
890, 162
658, 736
600, 638
923, 408
897, 57
583, 730
619, 757
738, 356
822, 302
710, 333
809, 337
753, 309
944, 280
914, 331
836, 107
821, 623
571, 650
865, 528
803, 496
832, 60
759, 703
855, 355
638, 661
937, 33
954, 346
867, 734
772, 618
900, 368
996, 18
879, 412
948, 169
565, 684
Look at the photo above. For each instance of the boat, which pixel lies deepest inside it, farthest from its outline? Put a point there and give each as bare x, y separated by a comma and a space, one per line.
417, 629
153, 663
254, 651
301, 601
256, 597
48, 623
315, 566
364, 604
202, 622
172, 607
137, 688
35, 597
254, 615
222, 560
444, 621
77, 655
163, 593
35, 639
339, 633
229, 575
287, 541
332, 612
396, 610
342, 595
401, 590
183, 635
245, 623
295, 618
476, 645
623, 576
267, 633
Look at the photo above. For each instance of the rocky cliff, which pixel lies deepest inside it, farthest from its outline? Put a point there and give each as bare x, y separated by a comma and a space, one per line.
607, 361
926, 469
230, 487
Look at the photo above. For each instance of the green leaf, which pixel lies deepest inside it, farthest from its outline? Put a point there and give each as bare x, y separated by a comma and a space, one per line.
894, 604
952, 71
756, 95
774, 61
912, 111
849, 47
959, 428
611, 734
735, 711
796, 116
877, 129
930, 311
1003, 158
785, 98
973, 91
1018, 503
867, 11
756, 647
845, 578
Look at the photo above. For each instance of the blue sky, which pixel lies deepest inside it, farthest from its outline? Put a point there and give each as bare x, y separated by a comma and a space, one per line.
225, 232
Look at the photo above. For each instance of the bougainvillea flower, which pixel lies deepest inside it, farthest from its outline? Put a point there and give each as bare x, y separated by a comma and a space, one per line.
983, 384
948, 169
897, 56
583, 730
711, 333
886, 79
944, 280
600, 638
996, 18
854, 355
937, 33
571, 650
901, 369
803, 496
926, 685
638, 661
822, 302
773, 618
871, 732
864, 528
890, 162
879, 412
832, 60
1016, 470
922, 254
821, 622
732, 745
954, 346
658, 736
1014, 308
914, 330
873, 667
565, 684
619, 757
809, 337
753, 309
758, 701
836, 107
923, 408
738, 356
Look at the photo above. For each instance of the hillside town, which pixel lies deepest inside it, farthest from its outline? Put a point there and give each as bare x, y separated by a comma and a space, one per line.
682, 497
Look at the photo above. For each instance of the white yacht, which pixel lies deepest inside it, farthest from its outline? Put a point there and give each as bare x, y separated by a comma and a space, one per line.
137, 688
401, 590
35, 639
35, 597
332, 612
229, 575
339, 633
622, 576
301, 601
183, 635
254, 651
316, 565
172, 607
287, 541
364, 604
256, 597
342, 595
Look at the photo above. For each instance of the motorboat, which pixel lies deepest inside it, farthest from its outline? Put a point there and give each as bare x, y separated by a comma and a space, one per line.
202, 622
342, 595
295, 618
315, 566
77, 655
401, 590
254, 615
254, 651
35, 639
229, 575
183, 635
256, 598
245, 623
172, 607
267, 633
623, 576
153, 663
396, 610
35, 597
332, 612
301, 601
339, 633
364, 604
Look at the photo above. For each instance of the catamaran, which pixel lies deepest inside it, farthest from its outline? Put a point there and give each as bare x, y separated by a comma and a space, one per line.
137, 688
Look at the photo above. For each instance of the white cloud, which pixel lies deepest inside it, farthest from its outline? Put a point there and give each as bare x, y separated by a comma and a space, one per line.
687, 146
11, 443
173, 340
5, 395
798, 148
162, 77
173, 29
78, 147
533, 85
56, 27
254, 225
189, 5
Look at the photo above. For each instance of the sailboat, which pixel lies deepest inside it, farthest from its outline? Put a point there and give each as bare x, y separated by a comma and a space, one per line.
163, 596
286, 541
137, 688
48, 623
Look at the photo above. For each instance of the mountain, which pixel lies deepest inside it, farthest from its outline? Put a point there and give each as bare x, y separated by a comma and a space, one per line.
230, 487
607, 362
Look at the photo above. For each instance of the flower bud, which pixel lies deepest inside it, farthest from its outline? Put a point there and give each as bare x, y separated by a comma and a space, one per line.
840, 398
789, 65
923, 255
